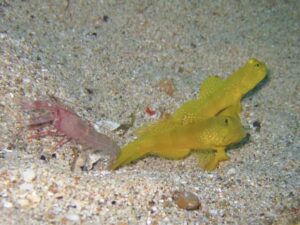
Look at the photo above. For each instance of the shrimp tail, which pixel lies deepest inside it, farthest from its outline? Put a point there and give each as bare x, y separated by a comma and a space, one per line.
130, 153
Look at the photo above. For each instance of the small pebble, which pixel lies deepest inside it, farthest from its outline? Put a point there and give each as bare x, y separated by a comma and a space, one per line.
231, 172
7, 204
26, 187
105, 18
72, 217
213, 212
43, 157
23, 202
111, 125
167, 86
33, 197
28, 175
186, 200
256, 125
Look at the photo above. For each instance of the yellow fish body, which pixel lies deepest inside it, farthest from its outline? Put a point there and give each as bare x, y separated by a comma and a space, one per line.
199, 123
177, 141
216, 95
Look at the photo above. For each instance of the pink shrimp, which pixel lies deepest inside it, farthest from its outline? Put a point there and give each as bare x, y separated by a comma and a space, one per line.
69, 125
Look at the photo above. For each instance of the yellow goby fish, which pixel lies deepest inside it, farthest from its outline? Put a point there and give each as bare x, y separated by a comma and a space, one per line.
215, 96
176, 142
218, 98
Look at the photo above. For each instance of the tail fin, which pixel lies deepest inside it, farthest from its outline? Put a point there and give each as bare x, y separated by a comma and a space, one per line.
129, 153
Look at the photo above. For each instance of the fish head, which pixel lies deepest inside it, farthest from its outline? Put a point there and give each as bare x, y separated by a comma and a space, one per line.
254, 72
228, 130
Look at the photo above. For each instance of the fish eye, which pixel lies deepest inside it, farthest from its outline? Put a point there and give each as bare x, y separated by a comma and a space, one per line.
257, 65
226, 122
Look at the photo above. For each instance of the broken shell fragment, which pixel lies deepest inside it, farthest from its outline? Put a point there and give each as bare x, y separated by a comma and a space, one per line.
186, 200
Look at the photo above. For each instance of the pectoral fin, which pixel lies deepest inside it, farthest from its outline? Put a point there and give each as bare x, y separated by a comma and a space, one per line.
156, 127
209, 159
204, 157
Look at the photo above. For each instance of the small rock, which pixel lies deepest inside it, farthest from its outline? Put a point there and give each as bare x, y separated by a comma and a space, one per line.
53, 188
26, 187
7, 204
111, 125
23, 202
213, 212
167, 86
256, 125
72, 217
79, 162
231, 172
186, 200
28, 175
33, 197
91, 160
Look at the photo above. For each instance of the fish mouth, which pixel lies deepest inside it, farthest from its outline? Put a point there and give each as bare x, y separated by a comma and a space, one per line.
235, 137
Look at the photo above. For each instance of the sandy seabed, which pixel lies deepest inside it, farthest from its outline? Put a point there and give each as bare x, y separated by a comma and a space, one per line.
106, 59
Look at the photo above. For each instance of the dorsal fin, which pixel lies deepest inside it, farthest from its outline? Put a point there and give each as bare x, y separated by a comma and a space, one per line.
186, 108
209, 86
191, 108
154, 127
